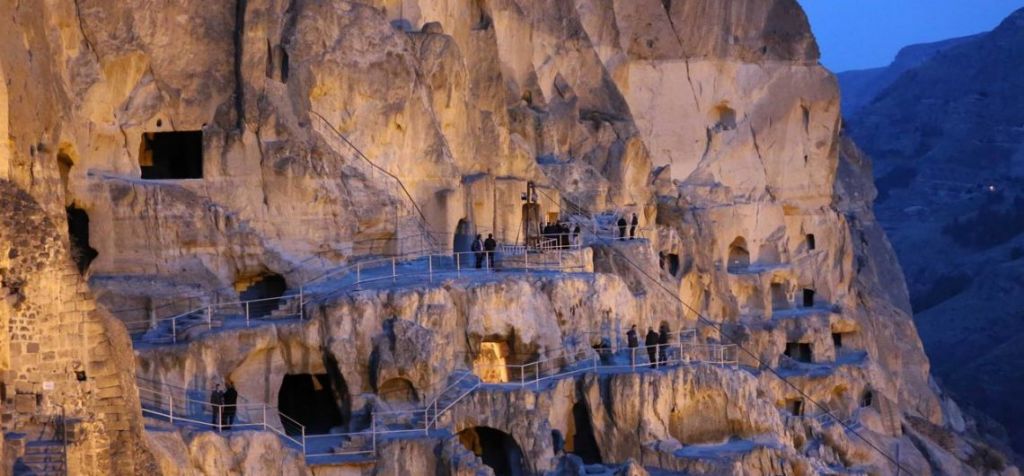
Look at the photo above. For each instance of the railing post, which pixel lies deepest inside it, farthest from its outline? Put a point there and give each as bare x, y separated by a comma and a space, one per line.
174, 330
264, 406
458, 264
394, 271
373, 432
209, 317
170, 399
430, 268
522, 376
359, 278
246, 313
302, 302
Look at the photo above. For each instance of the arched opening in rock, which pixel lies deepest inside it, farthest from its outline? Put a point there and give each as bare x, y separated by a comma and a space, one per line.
265, 289
497, 449
867, 398
491, 362
307, 399
582, 442
723, 118
78, 233
739, 257
64, 164
398, 391
810, 241
799, 351
808, 298
837, 340
171, 155
780, 301
463, 240
673, 264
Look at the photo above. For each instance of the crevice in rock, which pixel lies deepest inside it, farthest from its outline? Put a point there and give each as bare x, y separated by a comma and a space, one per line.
85, 37
689, 80
764, 167
240, 7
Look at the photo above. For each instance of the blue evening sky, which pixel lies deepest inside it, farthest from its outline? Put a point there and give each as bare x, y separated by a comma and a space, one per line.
858, 34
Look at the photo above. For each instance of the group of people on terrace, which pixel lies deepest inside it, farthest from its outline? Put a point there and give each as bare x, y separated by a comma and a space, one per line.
560, 232
632, 227
225, 405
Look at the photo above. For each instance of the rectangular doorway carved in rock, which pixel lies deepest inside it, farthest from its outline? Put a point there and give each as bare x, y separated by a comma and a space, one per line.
171, 155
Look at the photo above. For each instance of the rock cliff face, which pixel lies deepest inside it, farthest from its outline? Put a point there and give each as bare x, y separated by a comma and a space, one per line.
197, 150
946, 139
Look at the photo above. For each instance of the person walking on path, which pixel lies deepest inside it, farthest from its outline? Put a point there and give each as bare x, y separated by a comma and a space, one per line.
651, 343
478, 251
622, 228
489, 246
230, 405
663, 345
216, 405
633, 341
632, 228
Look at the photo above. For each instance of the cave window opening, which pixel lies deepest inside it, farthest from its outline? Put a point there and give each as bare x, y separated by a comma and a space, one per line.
583, 442
780, 301
265, 289
307, 398
463, 241
673, 264
795, 406
799, 351
497, 449
739, 257
171, 155
867, 398
810, 242
808, 298
837, 340
78, 234
724, 118
398, 391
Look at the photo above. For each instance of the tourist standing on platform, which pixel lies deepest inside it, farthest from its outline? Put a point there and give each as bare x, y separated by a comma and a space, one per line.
633, 342
663, 345
489, 246
576, 236
230, 405
217, 404
478, 251
622, 228
651, 342
632, 227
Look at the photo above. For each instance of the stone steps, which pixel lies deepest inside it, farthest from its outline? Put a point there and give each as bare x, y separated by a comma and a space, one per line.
41, 458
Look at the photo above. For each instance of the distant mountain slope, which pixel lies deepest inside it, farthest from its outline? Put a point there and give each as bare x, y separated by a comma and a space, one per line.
947, 139
859, 87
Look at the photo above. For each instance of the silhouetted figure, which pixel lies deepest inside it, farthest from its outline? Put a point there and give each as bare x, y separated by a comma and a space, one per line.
622, 228
489, 246
563, 235
663, 345
230, 405
217, 405
632, 228
478, 251
576, 236
651, 343
633, 341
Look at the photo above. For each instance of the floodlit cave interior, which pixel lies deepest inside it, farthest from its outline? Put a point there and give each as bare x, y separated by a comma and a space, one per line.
264, 289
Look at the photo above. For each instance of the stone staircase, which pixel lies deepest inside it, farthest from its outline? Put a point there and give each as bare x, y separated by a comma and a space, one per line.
42, 458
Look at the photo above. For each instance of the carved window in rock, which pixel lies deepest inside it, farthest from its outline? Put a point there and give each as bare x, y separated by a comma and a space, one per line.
739, 256
171, 155
795, 406
808, 298
799, 351
810, 242
867, 398
491, 362
82, 251
398, 391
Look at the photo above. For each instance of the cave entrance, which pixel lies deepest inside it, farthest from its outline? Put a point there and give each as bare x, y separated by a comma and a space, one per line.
582, 442
171, 155
808, 298
265, 289
810, 242
739, 257
780, 301
795, 406
307, 398
799, 351
491, 362
497, 449
398, 392
463, 240
78, 234
837, 340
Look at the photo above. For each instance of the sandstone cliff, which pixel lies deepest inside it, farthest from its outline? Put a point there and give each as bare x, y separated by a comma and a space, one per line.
196, 150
